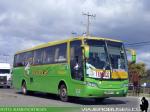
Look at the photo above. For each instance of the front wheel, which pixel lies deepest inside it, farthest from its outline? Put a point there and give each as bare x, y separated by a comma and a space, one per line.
98, 100
8, 86
63, 93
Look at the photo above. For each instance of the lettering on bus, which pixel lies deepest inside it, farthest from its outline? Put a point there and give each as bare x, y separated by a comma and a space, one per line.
102, 74
40, 72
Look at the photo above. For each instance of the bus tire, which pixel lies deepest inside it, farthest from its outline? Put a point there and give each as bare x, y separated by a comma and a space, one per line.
98, 100
24, 88
63, 93
8, 86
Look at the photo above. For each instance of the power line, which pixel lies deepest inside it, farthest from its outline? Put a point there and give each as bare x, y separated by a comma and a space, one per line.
88, 21
139, 43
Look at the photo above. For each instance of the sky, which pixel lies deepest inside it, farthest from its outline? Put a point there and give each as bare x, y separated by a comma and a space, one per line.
27, 23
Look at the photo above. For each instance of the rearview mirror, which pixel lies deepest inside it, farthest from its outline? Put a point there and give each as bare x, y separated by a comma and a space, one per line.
133, 55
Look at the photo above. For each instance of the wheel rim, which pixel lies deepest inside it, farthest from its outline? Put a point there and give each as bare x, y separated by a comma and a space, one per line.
24, 89
63, 93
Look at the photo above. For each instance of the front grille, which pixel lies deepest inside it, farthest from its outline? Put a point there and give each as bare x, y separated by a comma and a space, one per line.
3, 79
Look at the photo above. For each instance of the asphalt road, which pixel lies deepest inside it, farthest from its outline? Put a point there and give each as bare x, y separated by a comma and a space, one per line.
10, 97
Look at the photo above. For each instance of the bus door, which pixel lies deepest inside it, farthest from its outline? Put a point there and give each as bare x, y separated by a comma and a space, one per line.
76, 66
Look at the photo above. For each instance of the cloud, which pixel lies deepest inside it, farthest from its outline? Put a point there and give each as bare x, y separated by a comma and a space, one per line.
26, 23
144, 57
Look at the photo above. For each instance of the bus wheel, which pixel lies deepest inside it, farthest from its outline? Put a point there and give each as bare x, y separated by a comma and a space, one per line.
8, 86
98, 100
24, 88
63, 93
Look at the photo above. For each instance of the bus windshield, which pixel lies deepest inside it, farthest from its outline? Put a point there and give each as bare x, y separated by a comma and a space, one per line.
117, 55
105, 55
97, 54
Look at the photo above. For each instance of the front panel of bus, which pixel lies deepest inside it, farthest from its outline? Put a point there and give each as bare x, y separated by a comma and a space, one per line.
106, 72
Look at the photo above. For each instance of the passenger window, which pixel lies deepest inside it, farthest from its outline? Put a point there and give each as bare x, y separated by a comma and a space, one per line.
55, 54
16, 60
19, 60
38, 56
60, 53
29, 58
49, 55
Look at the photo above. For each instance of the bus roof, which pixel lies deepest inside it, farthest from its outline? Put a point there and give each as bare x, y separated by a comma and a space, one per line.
62, 41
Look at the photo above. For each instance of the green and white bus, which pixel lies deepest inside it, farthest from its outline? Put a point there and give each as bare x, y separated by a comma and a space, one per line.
88, 67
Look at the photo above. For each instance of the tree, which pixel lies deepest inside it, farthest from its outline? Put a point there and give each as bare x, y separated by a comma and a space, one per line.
148, 72
138, 67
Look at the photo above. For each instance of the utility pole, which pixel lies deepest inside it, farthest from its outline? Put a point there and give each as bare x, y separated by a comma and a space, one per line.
88, 22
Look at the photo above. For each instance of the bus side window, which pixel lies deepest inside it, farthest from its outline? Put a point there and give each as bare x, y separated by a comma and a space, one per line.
48, 57
29, 58
38, 56
76, 62
56, 54
23, 58
16, 58
51, 54
18, 61
60, 53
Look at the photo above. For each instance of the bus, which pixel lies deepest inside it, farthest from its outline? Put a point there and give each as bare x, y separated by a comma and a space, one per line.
5, 75
87, 67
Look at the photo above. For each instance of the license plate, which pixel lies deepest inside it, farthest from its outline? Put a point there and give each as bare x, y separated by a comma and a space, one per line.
109, 92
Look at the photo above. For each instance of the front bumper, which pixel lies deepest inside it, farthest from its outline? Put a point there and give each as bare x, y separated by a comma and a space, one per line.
98, 92
5, 83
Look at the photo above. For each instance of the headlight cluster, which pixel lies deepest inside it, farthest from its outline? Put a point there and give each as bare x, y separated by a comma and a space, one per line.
92, 84
125, 85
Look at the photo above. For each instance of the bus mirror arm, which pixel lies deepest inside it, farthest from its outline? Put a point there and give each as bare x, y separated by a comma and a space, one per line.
86, 49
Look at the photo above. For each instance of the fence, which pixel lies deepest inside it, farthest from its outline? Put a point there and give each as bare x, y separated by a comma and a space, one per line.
139, 91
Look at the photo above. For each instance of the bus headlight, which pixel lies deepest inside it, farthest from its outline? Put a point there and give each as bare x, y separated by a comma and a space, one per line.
125, 85
92, 84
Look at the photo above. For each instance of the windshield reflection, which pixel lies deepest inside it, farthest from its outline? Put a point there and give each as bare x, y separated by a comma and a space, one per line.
105, 57
98, 55
117, 55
